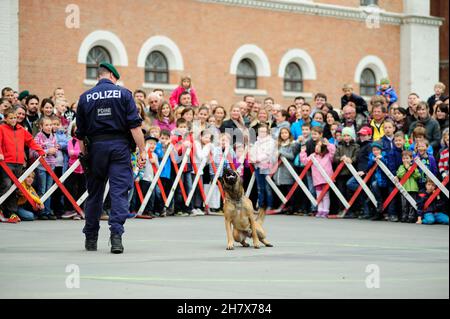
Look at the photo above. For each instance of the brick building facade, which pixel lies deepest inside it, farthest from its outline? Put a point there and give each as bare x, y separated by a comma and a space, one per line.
321, 43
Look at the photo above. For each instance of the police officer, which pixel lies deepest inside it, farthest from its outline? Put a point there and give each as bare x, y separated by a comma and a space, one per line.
105, 118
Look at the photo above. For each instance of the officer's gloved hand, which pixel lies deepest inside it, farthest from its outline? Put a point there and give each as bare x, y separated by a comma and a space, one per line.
142, 159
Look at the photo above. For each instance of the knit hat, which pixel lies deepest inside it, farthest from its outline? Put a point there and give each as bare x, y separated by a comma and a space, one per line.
385, 81
348, 131
377, 145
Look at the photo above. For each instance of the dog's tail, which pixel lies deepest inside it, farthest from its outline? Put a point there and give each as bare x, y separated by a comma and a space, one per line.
261, 215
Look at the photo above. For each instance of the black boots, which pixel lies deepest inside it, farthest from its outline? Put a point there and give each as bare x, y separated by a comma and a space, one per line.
116, 244
91, 244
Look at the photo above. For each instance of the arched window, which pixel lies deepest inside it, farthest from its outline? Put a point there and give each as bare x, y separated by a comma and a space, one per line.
246, 75
95, 56
368, 83
369, 2
156, 68
293, 78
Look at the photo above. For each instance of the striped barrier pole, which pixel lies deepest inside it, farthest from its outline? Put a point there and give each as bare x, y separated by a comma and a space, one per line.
330, 182
398, 185
178, 178
63, 178
298, 181
216, 176
360, 188
435, 194
155, 179
430, 175
61, 187
20, 179
18, 184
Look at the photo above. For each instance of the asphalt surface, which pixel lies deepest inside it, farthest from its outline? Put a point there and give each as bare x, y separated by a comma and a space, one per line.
185, 257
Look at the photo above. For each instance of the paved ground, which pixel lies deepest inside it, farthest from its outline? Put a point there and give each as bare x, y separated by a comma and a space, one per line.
186, 258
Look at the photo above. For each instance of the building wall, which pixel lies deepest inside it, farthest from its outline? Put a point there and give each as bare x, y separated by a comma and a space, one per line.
207, 36
9, 38
440, 8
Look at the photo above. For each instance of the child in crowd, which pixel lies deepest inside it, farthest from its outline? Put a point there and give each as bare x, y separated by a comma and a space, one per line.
379, 183
385, 89
443, 156
425, 158
419, 134
188, 114
61, 106
324, 153
166, 176
411, 186
58, 199
204, 148
182, 140
437, 212
25, 209
185, 85
13, 139
319, 117
347, 151
76, 183
165, 119
288, 148
47, 141
316, 137
138, 174
361, 165
263, 155
154, 207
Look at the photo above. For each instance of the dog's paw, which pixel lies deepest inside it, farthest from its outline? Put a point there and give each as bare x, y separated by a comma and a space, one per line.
269, 245
257, 246
230, 247
244, 244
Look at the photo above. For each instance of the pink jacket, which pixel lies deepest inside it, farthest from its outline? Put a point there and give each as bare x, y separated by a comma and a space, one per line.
174, 98
74, 151
326, 162
165, 125
264, 154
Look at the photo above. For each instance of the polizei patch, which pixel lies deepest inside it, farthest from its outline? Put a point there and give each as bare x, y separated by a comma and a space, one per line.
103, 95
105, 111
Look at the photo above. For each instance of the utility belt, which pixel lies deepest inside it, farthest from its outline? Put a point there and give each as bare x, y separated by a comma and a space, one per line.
108, 137
115, 137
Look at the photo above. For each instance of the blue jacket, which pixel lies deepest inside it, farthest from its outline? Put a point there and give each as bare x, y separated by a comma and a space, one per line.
296, 128
167, 170
430, 163
378, 176
62, 140
393, 155
389, 92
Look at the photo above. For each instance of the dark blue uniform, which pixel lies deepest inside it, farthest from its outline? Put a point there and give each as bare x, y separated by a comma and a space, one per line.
105, 115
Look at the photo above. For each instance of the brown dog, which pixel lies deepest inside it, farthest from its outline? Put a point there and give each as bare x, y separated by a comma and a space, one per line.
238, 211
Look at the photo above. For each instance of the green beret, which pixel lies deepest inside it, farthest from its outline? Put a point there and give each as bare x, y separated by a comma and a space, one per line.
385, 81
23, 95
110, 68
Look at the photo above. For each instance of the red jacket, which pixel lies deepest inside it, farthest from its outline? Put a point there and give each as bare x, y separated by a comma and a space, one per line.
13, 141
